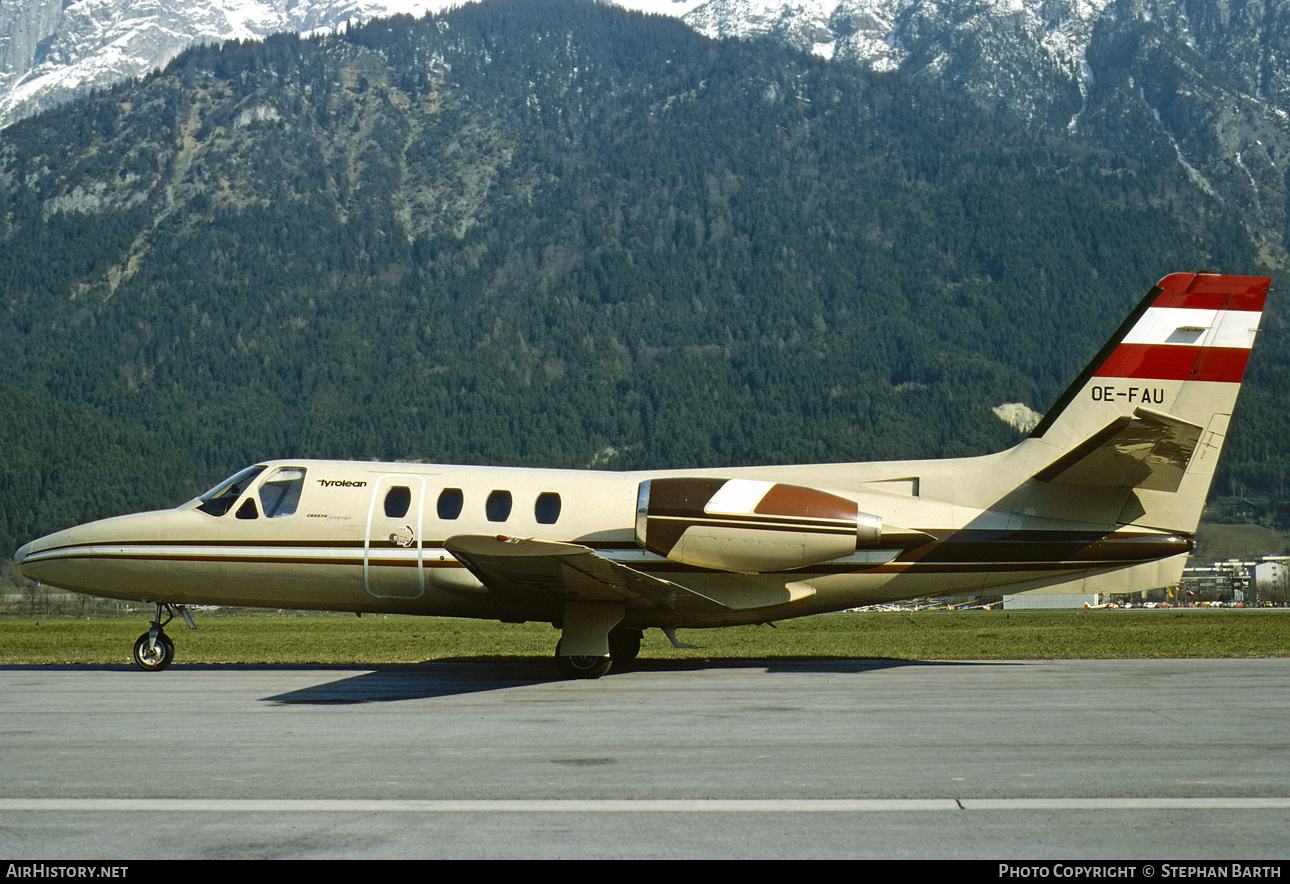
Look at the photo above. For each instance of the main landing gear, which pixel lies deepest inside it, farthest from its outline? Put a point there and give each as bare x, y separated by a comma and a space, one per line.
624, 647
154, 650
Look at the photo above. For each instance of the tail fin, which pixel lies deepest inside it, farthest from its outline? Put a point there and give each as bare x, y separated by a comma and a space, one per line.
1149, 413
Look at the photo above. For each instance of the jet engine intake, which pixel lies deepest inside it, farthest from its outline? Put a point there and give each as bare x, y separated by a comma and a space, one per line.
748, 525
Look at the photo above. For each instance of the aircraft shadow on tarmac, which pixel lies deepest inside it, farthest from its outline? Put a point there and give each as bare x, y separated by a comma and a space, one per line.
443, 678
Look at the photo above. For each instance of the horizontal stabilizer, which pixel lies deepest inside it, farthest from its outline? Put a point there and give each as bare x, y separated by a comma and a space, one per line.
1149, 450
570, 570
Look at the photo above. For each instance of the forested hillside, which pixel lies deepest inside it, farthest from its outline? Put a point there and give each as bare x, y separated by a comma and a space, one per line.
553, 233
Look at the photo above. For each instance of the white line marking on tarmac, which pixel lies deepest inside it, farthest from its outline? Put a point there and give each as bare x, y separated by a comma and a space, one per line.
663, 805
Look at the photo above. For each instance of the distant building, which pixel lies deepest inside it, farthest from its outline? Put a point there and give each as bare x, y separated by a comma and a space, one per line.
1263, 581
1219, 581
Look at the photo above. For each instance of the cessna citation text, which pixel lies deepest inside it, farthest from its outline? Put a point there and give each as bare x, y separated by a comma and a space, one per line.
1104, 495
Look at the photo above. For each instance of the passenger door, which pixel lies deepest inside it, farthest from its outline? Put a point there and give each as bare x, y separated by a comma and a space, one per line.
393, 556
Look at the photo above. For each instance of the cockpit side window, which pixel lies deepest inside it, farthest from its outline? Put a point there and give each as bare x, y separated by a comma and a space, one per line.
280, 493
221, 498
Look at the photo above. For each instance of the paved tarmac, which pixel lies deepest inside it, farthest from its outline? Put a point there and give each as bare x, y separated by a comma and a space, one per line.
1062, 760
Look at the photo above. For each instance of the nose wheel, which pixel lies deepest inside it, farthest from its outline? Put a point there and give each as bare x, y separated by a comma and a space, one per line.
153, 651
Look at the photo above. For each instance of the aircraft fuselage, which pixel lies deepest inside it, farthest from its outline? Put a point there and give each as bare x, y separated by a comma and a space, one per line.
370, 537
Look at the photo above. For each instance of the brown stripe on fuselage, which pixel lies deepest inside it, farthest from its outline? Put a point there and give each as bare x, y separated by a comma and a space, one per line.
966, 550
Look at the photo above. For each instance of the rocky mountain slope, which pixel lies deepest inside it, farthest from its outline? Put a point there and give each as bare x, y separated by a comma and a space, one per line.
1201, 83
1204, 84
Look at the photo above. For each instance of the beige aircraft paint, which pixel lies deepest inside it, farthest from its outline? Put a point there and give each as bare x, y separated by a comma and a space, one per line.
1104, 495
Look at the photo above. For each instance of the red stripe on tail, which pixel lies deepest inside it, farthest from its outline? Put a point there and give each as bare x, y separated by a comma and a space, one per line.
1171, 362
1205, 292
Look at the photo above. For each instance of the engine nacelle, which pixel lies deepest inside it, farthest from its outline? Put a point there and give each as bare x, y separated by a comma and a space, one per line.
748, 525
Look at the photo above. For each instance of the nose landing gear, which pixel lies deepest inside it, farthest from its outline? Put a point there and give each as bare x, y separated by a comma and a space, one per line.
153, 651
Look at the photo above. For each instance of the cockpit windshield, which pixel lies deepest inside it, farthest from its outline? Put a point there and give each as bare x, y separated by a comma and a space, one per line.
218, 500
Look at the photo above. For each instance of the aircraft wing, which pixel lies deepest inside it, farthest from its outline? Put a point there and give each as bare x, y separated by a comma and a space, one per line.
570, 570
1148, 450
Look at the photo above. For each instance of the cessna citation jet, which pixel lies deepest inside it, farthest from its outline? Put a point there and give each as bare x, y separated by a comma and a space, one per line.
1103, 496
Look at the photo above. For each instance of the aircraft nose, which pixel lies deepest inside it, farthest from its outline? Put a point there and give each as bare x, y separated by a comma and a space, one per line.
30, 558
20, 556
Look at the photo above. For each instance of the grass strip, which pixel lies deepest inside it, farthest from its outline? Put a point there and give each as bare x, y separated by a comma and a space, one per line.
337, 639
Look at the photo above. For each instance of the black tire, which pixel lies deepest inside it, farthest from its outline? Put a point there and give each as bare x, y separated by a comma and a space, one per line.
156, 658
583, 667
624, 645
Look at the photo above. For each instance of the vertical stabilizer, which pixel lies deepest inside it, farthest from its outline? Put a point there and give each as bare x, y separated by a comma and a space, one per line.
1150, 412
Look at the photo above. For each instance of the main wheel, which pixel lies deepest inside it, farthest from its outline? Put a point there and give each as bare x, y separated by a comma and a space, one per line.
157, 657
624, 645
583, 667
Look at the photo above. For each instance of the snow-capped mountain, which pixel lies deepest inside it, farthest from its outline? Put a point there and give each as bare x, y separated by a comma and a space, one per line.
1033, 56
1201, 83
54, 50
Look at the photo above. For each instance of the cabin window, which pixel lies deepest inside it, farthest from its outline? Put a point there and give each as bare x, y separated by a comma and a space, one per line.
498, 506
450, 501
280, 493
546, 509
397, 501
221, 498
